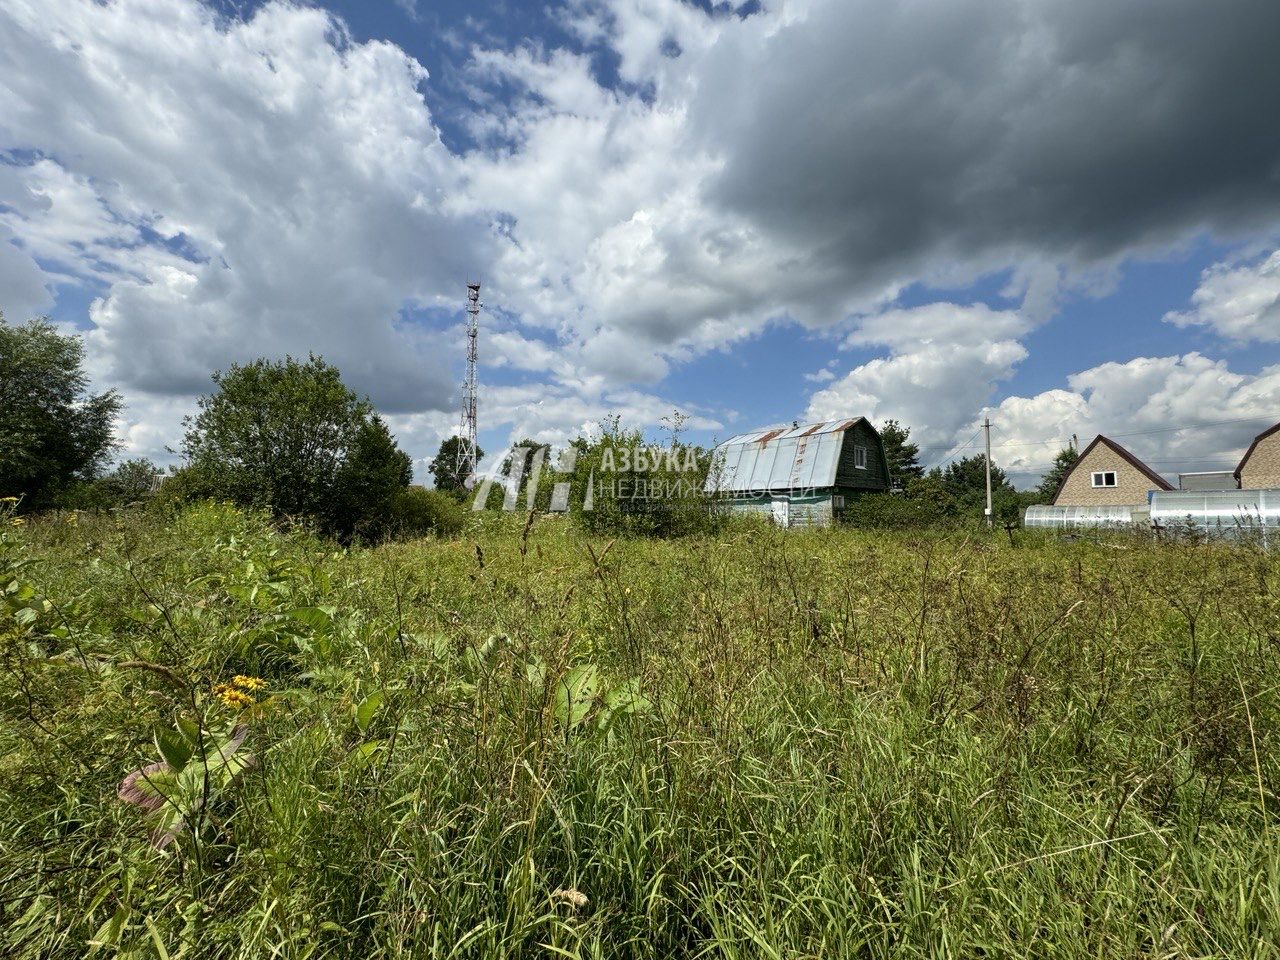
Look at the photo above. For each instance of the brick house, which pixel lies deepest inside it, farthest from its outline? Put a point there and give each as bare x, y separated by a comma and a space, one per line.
1108, 475
1259, 468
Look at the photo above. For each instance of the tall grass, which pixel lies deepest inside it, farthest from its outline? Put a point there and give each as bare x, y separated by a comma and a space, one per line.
530, 743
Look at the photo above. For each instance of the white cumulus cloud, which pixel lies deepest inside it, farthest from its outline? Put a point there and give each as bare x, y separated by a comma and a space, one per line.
1241, 303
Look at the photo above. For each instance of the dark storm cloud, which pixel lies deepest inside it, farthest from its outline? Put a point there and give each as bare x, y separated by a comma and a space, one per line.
893, 138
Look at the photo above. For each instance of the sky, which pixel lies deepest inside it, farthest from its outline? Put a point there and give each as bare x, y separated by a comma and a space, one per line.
1061, 215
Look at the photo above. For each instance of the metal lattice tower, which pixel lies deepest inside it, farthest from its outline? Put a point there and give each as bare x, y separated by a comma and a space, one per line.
466, 461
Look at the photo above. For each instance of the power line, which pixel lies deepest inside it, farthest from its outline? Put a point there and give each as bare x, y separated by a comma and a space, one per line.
968, 444
956, 450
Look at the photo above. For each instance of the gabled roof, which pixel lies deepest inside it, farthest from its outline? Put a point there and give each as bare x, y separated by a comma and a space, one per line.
1248, 453
799, 456
1129, 458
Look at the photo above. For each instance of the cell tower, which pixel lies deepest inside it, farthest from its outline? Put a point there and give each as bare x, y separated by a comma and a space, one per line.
466, 461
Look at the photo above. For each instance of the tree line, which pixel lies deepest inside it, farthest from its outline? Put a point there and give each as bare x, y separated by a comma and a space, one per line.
287, 437
290, 438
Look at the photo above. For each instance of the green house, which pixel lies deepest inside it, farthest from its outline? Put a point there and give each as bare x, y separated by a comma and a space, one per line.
802, 475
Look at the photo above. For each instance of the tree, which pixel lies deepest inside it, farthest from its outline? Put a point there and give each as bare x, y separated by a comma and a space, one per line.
133, 480
375, 472
444, 466
934, 499
1049, 484
965, 479
635, 487
53, 432
290, 437
531, 448
901, 454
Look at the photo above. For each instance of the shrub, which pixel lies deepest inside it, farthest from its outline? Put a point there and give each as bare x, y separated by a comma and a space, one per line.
290, 438
638, 488
417, 511
183, 486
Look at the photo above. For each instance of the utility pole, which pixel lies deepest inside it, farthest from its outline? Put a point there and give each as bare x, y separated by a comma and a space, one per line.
986, 426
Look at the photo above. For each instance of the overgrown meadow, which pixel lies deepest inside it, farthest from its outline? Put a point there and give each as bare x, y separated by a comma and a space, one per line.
220, 740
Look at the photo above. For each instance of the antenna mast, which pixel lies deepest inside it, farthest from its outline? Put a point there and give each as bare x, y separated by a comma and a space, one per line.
466, 461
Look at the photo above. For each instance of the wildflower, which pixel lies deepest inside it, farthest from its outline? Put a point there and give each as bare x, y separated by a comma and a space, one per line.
18, 521
72, 518
248, 683
8, 499
574, 898
231, 697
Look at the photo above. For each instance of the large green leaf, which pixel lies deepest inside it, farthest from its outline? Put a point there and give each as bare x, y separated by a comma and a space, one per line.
575, 694
367, 708
174, 747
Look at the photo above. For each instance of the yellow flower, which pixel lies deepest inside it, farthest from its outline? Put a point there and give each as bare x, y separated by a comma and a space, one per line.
237, 699
8, 499
248, 683
231, 697
18, 521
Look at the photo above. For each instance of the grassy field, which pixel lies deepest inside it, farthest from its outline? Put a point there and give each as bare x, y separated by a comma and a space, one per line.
527, 742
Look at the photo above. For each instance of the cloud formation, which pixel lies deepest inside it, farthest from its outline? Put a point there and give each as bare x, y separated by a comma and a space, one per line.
235, 189
671, 182
1240, 303
945, 361
1183, 414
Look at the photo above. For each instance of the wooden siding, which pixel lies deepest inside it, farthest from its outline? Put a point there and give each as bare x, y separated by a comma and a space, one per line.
876, 474
809, 511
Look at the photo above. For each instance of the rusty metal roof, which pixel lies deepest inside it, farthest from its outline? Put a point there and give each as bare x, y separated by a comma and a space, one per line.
780, 458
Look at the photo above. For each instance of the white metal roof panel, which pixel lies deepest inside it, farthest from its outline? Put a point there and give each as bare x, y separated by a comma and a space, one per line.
783, 458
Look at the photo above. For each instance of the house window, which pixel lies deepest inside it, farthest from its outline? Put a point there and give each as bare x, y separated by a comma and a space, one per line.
860, 457
1104, 478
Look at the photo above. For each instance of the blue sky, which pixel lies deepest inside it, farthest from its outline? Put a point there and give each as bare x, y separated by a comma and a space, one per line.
1061, 215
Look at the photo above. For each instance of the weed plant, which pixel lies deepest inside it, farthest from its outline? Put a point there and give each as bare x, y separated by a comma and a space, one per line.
535, 742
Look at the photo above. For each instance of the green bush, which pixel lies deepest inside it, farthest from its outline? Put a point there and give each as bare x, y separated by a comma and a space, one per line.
417, 511
641, 489
183, 486
289, 437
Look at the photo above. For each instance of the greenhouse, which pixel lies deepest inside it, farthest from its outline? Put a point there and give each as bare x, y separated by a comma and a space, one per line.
1071, 517
1221, 512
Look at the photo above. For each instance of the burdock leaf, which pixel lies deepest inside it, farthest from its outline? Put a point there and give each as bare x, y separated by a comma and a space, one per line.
190, 730
575, 694
174, 747
148, 787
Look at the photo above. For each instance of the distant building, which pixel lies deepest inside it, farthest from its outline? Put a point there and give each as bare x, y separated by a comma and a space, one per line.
800, 475
1207, 480
1259, 468
1108, 475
